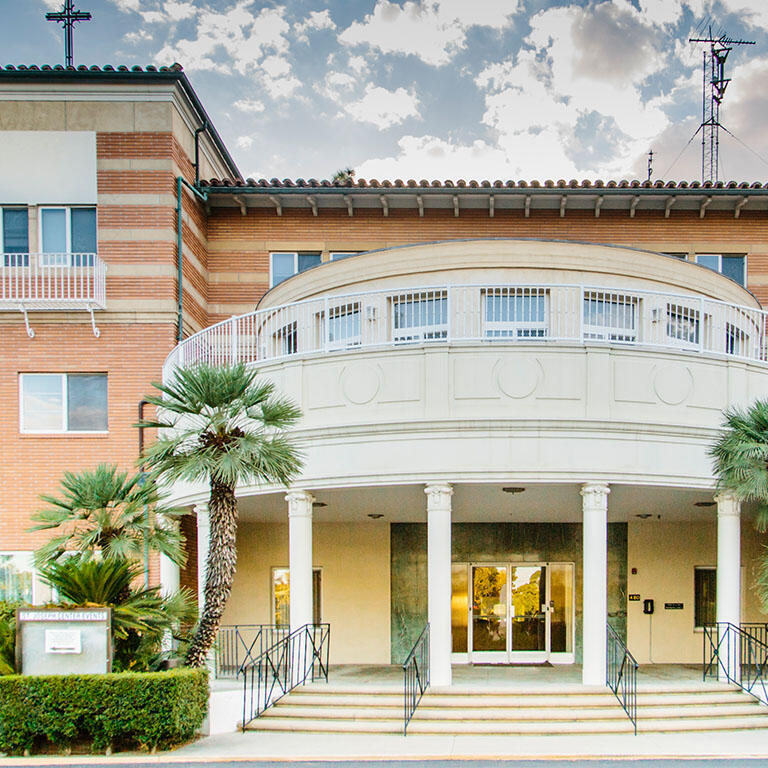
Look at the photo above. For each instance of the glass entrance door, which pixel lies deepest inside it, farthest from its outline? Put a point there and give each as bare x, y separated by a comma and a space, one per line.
512, 612
489, 612
528, 615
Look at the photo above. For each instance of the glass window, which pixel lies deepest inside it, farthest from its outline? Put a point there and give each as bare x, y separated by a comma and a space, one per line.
610, 317
418, 317
344, 326
287, 339
66, 231
283, 267
53, 227
736, 341
516, 313
730, 265
16, 577
682, 324
87, 402
281, 596
15, 237
338, 255
705, 594
308, 260
83, 236
733, 267
60, 402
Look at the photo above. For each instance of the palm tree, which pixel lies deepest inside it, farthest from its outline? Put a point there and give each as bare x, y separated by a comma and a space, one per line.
222, 426
107, 511
140, 617
741, 466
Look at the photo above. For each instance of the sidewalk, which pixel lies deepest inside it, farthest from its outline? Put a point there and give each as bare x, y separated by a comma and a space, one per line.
360, 748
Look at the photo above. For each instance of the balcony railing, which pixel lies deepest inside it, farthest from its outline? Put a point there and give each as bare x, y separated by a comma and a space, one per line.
520, 314
32, 282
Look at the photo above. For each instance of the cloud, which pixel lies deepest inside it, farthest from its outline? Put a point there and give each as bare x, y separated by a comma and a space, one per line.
430, 157
315, 21
432, 30
137, 37
581, 69
177, 10
244, 142
249, 105
238, 40
383, 108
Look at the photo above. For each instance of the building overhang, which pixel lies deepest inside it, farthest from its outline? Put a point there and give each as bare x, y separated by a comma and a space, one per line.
630, 197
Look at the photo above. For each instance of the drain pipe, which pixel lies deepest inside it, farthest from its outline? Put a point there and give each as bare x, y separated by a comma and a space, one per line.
142, 480
181, 182
198, 131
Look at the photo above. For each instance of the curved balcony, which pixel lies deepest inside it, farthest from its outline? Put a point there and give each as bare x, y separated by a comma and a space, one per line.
480, 314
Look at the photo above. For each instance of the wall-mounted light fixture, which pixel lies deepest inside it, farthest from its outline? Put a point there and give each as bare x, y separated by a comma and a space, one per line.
375, 515
512, 489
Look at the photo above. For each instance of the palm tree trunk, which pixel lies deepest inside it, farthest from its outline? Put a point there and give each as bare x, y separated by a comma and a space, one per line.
219, 570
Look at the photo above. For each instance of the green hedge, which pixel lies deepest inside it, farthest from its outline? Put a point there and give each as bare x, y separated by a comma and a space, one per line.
122, 710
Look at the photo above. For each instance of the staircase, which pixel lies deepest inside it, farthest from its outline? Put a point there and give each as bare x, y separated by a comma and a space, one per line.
502, 711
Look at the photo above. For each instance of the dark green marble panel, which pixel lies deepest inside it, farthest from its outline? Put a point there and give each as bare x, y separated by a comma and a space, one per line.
495, 542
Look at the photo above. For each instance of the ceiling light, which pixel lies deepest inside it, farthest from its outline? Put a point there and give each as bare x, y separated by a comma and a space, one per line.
512, 489
375, 515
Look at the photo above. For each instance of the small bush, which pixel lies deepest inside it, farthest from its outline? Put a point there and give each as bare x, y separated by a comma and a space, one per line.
122, 710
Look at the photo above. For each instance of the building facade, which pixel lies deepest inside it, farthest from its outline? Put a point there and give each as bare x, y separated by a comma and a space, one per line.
508, 388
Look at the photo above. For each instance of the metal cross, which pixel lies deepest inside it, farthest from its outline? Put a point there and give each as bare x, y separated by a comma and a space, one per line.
68, 17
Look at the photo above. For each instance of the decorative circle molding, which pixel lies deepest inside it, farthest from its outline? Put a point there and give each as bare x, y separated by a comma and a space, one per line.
518, 378
673, 383
360, 383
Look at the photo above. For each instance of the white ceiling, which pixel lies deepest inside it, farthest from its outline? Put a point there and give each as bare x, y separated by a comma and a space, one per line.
486, 503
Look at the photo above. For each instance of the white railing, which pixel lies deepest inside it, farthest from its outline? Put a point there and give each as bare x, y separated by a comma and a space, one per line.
52, 281
522, 314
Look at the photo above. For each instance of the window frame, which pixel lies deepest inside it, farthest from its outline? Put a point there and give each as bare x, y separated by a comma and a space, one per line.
316, 570
683, 312
719, 269
342, 310
711, 568
515, 330
341, 255
419, 334
611, 333
296, 271
68, 254
33, 570
64, 430
9, 257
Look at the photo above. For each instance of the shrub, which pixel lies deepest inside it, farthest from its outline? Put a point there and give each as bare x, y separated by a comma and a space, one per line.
122, 710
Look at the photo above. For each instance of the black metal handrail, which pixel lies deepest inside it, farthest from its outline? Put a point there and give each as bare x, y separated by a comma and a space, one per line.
299, 656
240, 644
739, 654
621, 674
415, 676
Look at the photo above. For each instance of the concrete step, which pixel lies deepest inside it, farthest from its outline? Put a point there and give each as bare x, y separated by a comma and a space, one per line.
511, 714
438, 727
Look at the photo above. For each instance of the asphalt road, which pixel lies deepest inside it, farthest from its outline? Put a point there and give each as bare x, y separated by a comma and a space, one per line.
443, 763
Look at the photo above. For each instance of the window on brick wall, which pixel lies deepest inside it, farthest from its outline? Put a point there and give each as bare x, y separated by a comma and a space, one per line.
67, 236
733, 265
14, 237
285, 265
63, 402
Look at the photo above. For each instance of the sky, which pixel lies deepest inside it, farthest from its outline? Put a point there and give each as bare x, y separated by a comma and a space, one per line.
439, 89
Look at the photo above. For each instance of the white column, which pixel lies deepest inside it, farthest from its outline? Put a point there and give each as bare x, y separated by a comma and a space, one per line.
203, 544
170, 573
300, 557
439, 582
595, 580
729, 568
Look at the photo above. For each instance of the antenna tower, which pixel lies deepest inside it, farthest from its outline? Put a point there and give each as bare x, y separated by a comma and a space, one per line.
713, 91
